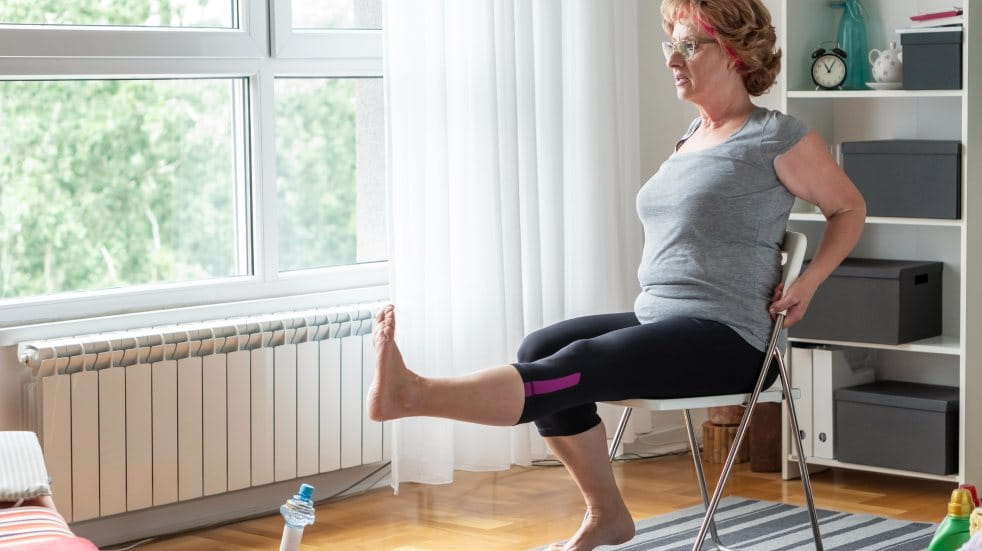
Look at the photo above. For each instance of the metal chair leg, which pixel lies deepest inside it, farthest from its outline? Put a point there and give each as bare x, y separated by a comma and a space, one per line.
740, 434
619, 433
701, 476
805, 478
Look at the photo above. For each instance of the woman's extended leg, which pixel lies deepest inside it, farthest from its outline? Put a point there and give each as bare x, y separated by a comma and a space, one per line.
493, 396
607, 521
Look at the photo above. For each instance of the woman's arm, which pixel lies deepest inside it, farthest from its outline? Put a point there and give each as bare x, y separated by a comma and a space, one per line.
809, 172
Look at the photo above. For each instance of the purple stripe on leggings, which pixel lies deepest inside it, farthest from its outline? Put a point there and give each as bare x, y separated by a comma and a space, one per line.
534, 388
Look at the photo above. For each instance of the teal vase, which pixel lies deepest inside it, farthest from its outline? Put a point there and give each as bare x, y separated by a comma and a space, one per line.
852, 40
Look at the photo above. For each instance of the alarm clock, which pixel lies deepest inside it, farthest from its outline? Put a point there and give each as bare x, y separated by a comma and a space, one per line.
828, 68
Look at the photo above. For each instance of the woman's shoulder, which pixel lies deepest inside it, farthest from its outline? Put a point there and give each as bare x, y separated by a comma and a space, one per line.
777, 121
779, 131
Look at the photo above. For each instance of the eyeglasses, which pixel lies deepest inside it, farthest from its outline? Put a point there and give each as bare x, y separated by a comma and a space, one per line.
685, 48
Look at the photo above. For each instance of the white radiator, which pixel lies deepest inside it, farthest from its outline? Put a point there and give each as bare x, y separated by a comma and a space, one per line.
152, 417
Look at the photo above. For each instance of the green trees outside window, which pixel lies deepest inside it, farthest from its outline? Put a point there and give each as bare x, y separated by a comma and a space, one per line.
116, 182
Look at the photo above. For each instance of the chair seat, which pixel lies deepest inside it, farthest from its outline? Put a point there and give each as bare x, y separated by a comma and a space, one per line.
696, 402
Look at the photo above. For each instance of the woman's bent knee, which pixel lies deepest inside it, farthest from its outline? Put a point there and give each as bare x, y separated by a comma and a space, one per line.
534, 347
568, 422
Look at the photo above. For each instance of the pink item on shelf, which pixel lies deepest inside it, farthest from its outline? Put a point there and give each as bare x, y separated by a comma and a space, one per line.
936, 15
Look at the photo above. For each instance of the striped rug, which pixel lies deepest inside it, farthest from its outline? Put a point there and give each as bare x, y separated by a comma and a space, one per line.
750, 525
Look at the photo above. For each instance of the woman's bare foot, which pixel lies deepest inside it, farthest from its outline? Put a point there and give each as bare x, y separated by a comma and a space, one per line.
392, 393
599, 528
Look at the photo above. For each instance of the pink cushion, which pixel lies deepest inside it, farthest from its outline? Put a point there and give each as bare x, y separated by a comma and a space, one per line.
35, 528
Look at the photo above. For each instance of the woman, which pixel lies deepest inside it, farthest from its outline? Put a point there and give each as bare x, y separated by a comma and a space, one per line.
714, 217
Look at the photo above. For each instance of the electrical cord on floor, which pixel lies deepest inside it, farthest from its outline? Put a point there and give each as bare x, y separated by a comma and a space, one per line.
131, 546
340, 493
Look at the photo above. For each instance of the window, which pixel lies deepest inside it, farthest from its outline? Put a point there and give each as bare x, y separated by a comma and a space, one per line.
151, 13
329, 147
144, 168
108, 183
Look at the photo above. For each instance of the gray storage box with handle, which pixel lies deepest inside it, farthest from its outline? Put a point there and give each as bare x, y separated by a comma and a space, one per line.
906, 178
899, 425
876, 301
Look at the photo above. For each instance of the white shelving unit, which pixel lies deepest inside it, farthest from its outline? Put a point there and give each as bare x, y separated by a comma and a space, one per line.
955, 357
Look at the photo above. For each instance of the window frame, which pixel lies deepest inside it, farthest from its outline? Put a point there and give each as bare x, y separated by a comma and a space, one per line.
51, 53
72, 41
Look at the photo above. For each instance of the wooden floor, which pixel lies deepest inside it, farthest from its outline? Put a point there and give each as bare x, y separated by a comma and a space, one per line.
526, 507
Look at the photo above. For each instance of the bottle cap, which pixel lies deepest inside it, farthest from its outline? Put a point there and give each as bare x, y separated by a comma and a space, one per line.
961, 504
971, 490
306, 491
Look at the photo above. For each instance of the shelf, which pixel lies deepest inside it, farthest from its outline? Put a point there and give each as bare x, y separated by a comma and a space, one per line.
873, 94
943, 344
818, 217
870, 468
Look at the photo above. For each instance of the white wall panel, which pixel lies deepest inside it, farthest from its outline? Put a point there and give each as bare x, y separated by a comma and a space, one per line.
214, 425
189, 424
164, 402
85, 445
330, 405
308, 414
139, 434
112, 441
239, 420
56, 395
262, 416
351, 399
285, 414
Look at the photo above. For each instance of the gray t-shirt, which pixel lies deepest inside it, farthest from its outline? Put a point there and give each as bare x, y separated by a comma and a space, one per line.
714, 221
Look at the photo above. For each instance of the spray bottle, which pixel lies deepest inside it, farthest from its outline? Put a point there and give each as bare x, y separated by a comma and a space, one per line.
954, 530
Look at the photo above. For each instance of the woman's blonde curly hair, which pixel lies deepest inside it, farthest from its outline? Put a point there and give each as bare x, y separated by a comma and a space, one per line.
742, 27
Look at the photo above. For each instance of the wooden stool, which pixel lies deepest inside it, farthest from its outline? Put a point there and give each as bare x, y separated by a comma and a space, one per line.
716, 442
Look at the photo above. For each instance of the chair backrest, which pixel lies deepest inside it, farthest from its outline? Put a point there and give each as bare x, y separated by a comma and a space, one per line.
794, 252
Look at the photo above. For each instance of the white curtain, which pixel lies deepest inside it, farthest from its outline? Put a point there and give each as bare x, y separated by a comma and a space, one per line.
513, 166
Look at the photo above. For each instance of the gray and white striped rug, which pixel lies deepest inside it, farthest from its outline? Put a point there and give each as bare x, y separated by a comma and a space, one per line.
751, 525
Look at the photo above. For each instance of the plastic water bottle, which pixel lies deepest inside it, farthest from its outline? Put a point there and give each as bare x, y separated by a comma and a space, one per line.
297, 513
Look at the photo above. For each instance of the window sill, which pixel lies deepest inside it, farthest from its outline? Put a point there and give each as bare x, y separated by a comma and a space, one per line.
122, 309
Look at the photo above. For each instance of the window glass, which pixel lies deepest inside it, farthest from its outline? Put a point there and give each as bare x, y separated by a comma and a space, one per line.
152, 13
337, 14
108, 183
331, 172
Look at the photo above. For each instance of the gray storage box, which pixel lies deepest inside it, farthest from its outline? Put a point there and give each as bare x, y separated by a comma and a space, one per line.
899, 425
877, 301
906, 178
932, 60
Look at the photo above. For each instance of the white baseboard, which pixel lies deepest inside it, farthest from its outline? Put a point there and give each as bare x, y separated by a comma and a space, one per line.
221, 508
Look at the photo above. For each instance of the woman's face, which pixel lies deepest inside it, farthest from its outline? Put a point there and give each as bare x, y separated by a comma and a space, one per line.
706, 72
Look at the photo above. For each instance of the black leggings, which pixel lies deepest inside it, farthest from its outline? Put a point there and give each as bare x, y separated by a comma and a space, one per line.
569, 366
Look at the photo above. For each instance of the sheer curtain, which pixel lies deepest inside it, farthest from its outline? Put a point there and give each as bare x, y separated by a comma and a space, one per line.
513, 166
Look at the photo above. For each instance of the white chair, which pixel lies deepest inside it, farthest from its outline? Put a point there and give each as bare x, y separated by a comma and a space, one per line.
794, 252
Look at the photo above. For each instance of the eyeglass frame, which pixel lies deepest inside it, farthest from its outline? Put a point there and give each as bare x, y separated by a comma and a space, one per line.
668, 47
